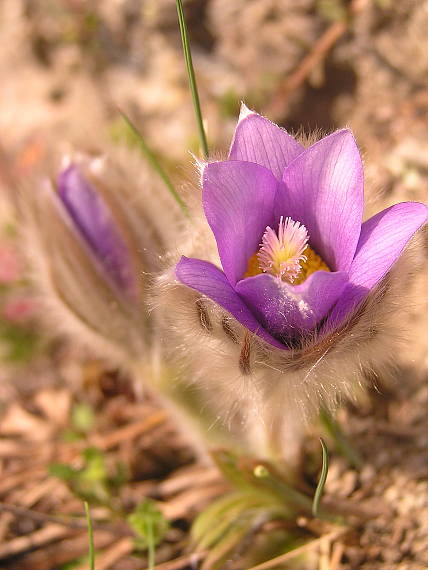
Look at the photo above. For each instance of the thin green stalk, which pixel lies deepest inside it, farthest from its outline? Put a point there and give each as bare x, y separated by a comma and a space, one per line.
154, 163
322, 480
91, 538
150, 545
192, 78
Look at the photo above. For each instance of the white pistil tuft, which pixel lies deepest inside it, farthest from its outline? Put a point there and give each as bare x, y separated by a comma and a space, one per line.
281, 254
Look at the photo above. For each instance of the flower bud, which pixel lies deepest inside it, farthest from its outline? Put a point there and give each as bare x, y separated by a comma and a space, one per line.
95, 238
94, 222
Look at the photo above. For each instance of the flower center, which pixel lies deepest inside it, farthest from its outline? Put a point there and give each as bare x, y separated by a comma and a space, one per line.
286, 254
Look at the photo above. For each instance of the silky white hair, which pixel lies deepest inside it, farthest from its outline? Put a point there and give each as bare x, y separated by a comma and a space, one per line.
77, 298
266, 394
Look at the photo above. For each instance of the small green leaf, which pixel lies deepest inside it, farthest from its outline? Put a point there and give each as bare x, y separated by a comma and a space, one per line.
150, 526
217, 555
228, 463
322, 480
95, 468
21, 342
71, 436
95, 481
82, 417
62, 471
332, 10
214, 522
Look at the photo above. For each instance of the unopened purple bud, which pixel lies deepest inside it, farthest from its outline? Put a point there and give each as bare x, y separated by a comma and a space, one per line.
96, 224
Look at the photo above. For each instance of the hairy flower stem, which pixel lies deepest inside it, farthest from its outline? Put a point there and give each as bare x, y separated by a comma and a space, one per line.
191, 414
279, 444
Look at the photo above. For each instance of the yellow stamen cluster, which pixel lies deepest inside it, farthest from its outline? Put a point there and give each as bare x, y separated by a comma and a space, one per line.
253, 267
312, 263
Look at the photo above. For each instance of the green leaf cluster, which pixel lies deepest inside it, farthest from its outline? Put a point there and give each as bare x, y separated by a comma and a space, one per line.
94, 481
150, 527
233, 526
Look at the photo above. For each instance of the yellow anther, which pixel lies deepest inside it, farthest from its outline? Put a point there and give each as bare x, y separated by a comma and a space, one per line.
253, 266
312, 263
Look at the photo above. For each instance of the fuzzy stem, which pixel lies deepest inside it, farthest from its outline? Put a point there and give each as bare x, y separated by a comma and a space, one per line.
193, 416
283, 444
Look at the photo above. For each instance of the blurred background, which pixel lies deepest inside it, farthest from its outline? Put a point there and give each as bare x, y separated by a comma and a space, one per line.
65, 68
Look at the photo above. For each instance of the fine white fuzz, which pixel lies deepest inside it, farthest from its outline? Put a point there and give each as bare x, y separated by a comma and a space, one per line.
77, 297
266, 396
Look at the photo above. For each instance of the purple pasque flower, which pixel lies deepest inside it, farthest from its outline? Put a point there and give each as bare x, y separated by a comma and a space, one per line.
94, 221
287, 220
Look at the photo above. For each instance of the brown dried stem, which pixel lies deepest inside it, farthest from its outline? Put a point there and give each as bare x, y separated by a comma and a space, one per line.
67, 522
276, 108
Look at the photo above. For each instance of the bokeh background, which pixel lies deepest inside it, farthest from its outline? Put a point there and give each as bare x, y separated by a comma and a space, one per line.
65, 68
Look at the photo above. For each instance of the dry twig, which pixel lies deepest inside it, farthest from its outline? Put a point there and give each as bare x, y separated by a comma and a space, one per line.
69, 523
36, 539
130, 431
332, 536
276, 108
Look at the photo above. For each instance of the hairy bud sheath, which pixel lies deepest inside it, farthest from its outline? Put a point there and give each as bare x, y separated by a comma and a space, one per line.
94, 238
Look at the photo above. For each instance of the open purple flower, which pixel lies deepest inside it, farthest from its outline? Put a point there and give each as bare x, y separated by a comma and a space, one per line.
287, 220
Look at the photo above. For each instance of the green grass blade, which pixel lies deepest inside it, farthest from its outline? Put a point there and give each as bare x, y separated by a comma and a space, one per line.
154, 163
322, 480
192, 79
91, 538
150, 545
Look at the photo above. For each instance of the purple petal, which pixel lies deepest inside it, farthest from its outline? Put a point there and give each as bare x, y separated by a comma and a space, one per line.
287, 310
97, 226
238, 201
211, 281
324, 191
258, 140
383, 238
